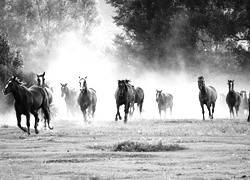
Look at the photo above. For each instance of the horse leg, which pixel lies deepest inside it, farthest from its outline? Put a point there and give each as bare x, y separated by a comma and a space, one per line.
248, 119
131, 109
237, 110
84, 115
160, 113
140, 107
93, 111
171, 110
213, 104
28, 122
209, 111
126, 111
35, 114
18, 116
118, 113
202, 110
46, 112
231, 111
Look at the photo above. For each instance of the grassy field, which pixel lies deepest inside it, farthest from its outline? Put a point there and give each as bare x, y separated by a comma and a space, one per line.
217, 149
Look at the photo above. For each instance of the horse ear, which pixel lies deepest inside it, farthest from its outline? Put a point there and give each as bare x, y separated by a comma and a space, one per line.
85, 77
43, 73
66, 84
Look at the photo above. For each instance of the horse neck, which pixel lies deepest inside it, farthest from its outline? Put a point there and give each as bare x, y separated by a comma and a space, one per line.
204, 89
17, 93
231, 90
161, 98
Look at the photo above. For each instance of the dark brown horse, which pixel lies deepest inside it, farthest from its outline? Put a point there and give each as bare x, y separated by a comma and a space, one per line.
233, 99
28, 101
139, 99
124, 95
164, 101
207, 96
70, 97
86, 99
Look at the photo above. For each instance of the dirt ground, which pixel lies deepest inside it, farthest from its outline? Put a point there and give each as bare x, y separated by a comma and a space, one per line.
216, 149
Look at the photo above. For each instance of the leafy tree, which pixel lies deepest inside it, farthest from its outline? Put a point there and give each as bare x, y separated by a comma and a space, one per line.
36, 26
168, 31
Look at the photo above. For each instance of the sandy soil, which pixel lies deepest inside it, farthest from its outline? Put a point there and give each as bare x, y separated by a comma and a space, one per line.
218, 149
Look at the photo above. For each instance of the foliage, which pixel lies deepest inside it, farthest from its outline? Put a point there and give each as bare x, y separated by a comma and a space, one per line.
36, 26
169, 33
131, 146
11, 64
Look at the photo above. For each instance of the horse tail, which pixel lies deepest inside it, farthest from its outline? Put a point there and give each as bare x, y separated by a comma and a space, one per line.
46, 110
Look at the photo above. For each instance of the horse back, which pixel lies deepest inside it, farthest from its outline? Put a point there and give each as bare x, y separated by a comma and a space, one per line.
49, 94
93, 96
168, 99
139, 95
233, 99
213, 93
38, 95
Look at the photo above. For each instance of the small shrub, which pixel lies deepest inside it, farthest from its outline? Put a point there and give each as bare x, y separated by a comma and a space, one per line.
130, 146
4, 126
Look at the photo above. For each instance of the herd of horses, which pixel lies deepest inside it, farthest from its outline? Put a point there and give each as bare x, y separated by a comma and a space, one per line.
235, 100
39, 97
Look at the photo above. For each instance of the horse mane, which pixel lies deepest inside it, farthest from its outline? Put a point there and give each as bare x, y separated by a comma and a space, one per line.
201, 78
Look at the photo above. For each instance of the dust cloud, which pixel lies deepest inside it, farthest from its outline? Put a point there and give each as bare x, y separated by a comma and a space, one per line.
72, 60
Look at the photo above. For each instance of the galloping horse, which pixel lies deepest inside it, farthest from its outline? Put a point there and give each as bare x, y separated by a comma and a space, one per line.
233, 99
244, 102
86, 99
70, 99
164, 101
42, 84
207, 96
124, 94
139, 99
28, 101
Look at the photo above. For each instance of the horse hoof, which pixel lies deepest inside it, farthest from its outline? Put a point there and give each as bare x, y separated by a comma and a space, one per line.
36, 131
24, 129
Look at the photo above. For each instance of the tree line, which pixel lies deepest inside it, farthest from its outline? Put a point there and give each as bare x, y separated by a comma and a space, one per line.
30, 30
174, 33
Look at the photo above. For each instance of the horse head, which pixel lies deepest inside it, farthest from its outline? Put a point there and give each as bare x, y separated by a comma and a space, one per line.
39, 81
158, 95
201, 82
243, 94
230, 85
64, 89
12, 84
83, 84
121, 87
